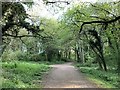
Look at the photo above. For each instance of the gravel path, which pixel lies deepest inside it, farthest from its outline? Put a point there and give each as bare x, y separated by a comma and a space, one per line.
66, 76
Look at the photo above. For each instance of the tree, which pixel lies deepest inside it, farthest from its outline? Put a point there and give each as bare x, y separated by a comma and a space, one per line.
93, 20
13, 19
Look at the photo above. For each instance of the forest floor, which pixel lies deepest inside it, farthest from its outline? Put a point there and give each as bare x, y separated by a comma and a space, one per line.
66, 76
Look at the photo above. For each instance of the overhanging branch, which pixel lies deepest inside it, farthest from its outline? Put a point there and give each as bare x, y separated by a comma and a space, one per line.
101, 22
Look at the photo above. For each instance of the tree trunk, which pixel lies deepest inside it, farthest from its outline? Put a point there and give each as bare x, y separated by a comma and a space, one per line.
75, 52
98, 60
103, 61
69, 54
78, 56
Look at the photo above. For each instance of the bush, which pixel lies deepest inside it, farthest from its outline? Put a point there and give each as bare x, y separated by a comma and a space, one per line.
16, 55
64, 59
19, 55
9, 56
37, 57
22, 55
8, 84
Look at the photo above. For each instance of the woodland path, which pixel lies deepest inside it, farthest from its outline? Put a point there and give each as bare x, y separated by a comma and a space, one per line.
66, 76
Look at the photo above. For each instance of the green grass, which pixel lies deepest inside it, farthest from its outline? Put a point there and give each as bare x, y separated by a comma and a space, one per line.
103, 79
21, 74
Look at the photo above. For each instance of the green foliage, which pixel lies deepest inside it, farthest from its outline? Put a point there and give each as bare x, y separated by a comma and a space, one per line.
16, 55
109, 77
9, 56
64, 59
21, 74
37, 57
22, 56
106, 51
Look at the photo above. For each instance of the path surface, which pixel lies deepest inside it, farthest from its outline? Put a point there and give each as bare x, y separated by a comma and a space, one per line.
66, 76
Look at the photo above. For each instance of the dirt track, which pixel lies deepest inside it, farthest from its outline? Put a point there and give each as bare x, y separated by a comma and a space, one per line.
66, 76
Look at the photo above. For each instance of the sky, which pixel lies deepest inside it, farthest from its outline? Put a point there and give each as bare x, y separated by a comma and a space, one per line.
40, 9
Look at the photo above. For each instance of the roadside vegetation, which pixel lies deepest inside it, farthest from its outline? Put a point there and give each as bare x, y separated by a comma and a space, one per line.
86, 33
22, 74
101, 78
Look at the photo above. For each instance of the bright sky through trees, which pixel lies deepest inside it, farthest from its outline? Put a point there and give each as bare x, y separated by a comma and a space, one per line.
40, 9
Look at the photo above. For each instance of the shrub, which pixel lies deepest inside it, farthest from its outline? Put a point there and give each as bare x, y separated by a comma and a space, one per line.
8, 84
16, 55
64, 59
37, 57
9, 56
22, 55
19, 55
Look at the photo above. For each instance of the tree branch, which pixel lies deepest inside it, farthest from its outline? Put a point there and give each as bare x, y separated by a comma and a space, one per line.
52, 2
102, 22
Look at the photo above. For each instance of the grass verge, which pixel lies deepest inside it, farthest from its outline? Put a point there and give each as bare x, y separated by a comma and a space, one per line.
101, 78
21, 74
